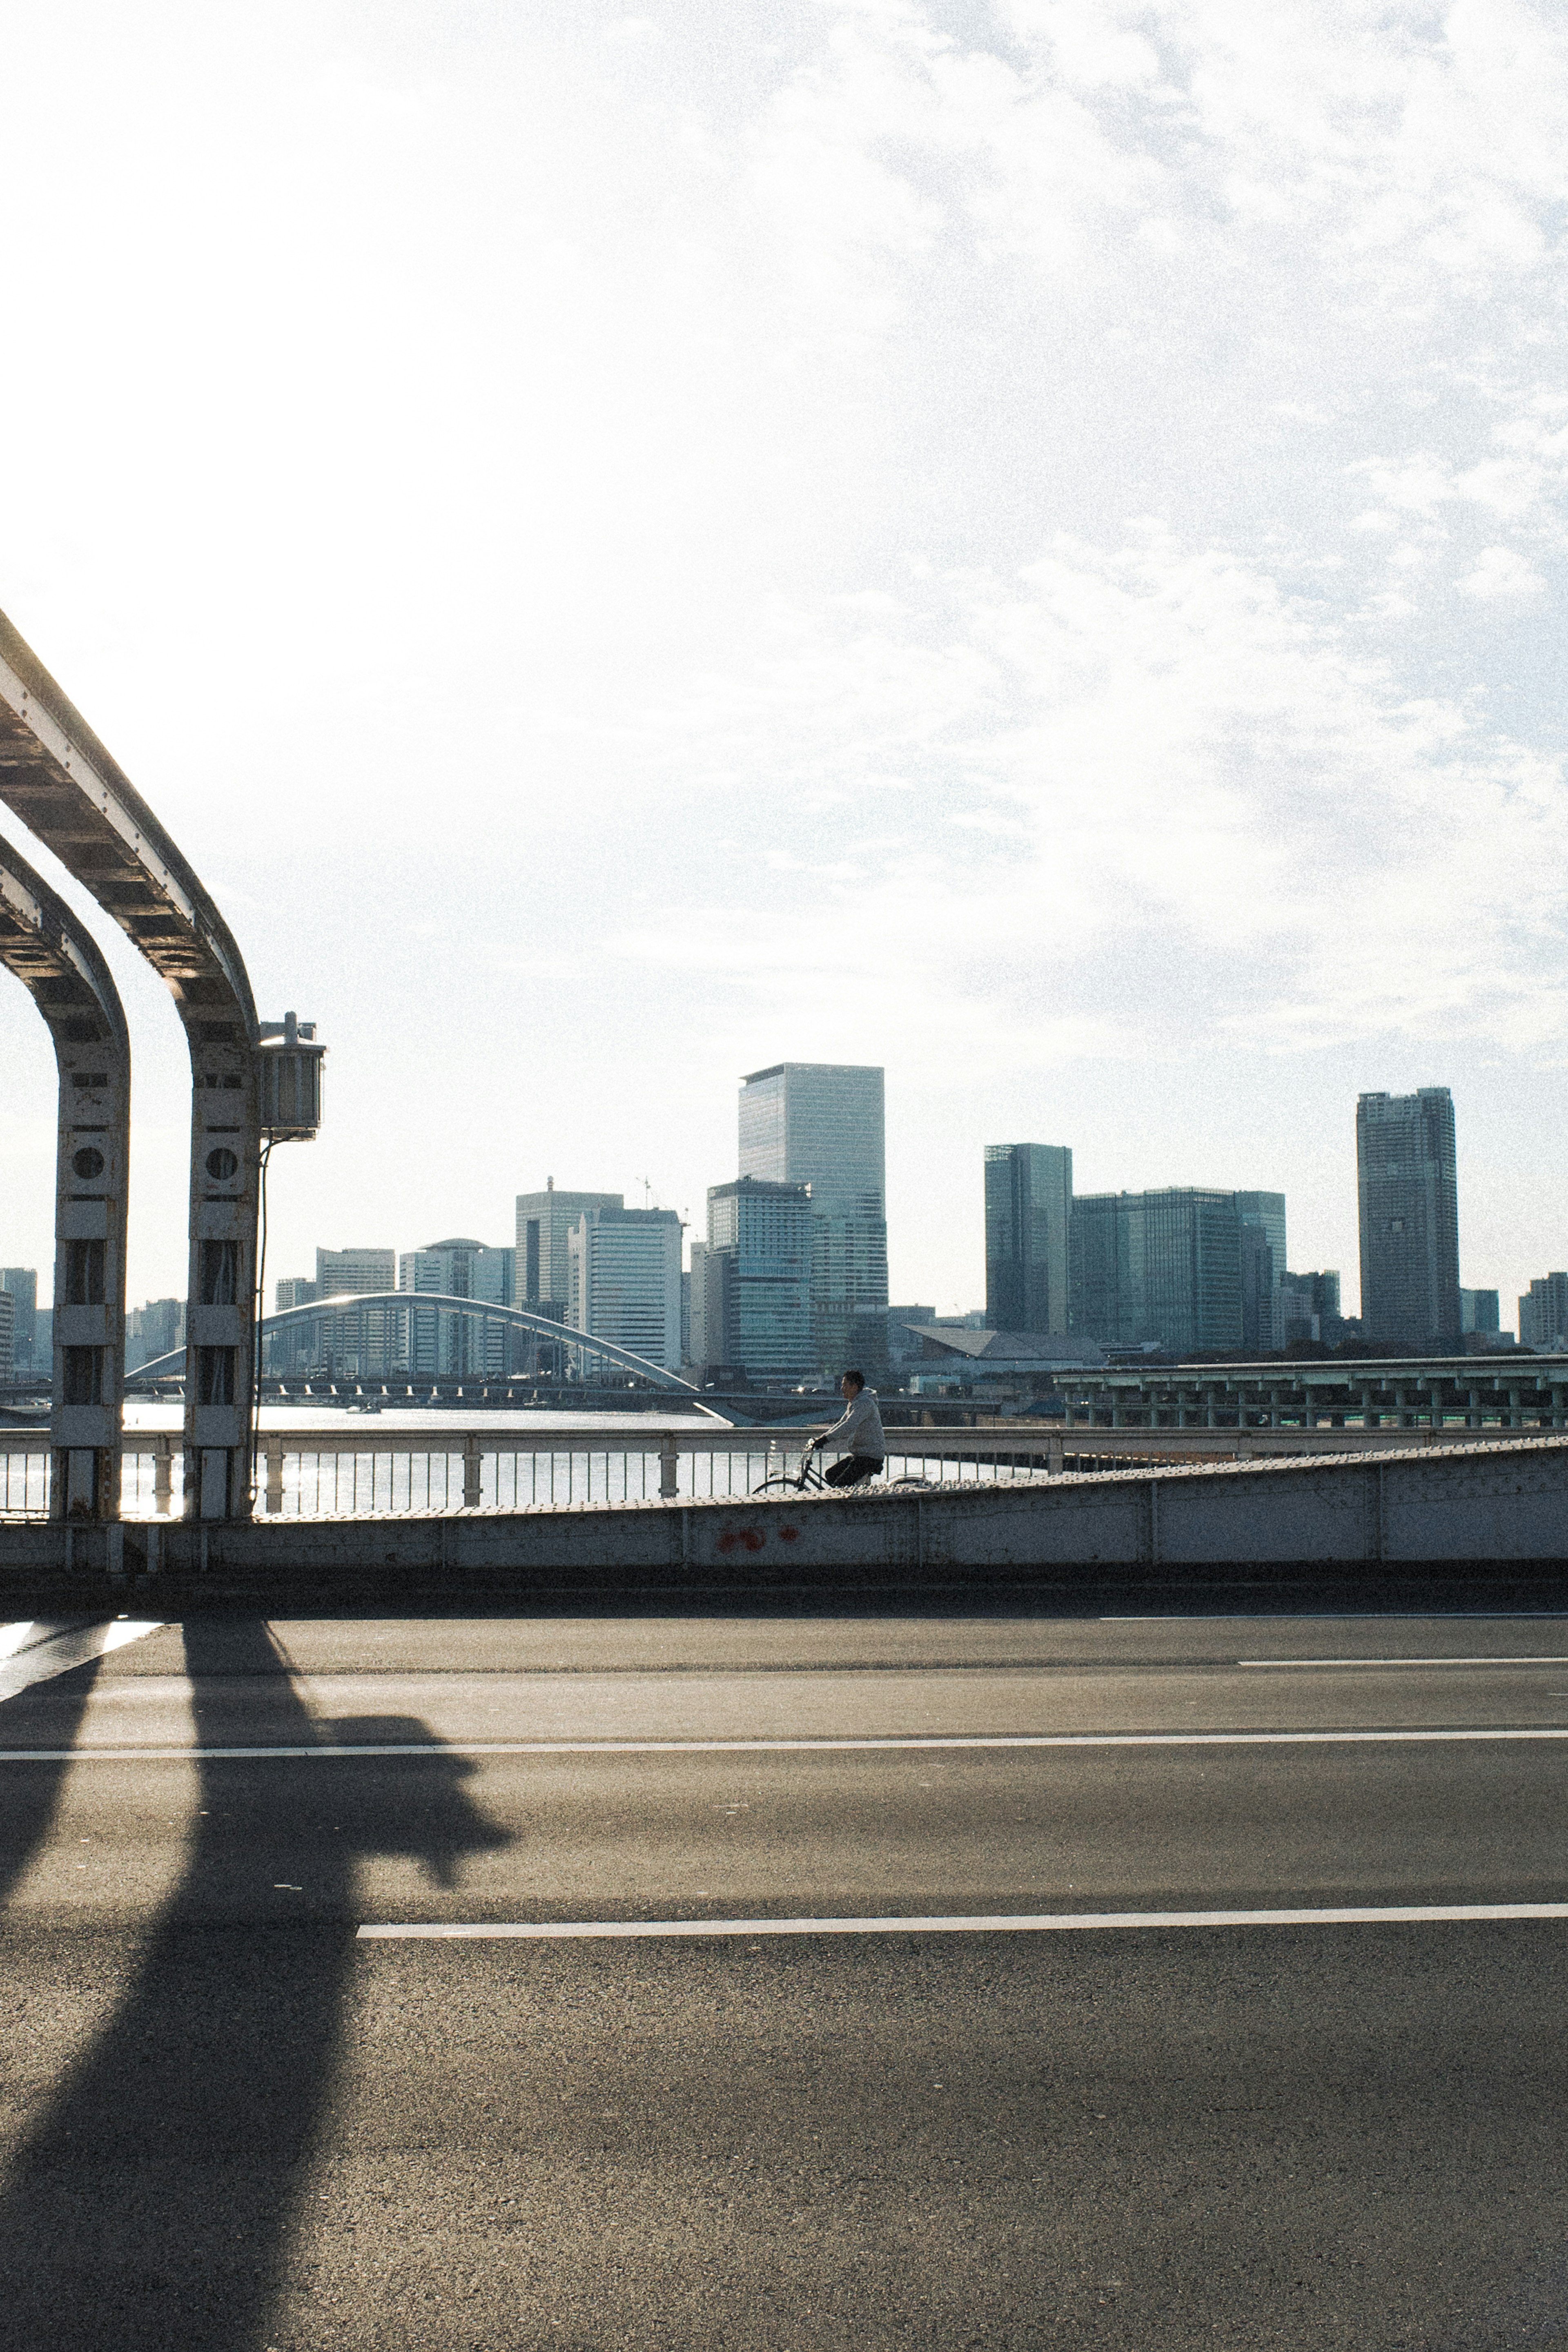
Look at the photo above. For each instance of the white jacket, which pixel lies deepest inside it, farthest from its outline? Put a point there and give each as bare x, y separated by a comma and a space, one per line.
859, 1430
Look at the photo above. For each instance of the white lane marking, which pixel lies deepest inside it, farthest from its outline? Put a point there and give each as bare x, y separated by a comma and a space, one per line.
772, 1746
1028, 1923
69, 1646
1537, 1661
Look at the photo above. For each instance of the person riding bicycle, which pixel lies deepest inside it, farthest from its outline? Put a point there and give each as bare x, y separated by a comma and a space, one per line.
859, 1429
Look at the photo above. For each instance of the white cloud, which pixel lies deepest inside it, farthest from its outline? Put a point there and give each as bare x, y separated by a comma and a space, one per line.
1502, 571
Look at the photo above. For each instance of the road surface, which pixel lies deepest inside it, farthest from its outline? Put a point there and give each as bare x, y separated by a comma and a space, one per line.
243, 2107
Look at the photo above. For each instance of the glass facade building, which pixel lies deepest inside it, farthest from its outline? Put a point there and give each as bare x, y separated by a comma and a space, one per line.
1263, 1264
1029, 1216
1159, 1268
1408, 1196
822, 1124
756, 1272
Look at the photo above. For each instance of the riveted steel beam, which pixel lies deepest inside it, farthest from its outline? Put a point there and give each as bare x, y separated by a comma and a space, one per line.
57, 961
63, 784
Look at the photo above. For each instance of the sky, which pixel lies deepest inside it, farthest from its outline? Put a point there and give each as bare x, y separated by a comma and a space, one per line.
1020, 542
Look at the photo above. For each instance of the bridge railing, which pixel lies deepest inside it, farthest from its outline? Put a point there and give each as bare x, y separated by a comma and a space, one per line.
314, 1471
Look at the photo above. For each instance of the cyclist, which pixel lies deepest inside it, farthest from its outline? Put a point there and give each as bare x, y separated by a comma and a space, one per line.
859, 1428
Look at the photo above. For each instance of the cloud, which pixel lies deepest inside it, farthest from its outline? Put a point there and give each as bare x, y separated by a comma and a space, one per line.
1503, 572
1145, 743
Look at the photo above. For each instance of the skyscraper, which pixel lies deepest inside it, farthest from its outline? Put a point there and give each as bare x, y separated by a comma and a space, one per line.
624, 1281
756, 1275
821, 1123
1028, 1214
1407, 1188
1157, 1267
1263, 1263
545, 1219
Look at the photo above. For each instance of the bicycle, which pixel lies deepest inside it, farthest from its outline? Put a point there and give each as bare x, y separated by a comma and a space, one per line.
809, 1480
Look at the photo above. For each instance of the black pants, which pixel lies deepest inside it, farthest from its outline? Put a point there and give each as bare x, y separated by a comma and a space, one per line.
850, 1469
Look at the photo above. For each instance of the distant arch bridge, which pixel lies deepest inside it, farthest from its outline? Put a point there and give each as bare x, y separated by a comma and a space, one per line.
484, 1310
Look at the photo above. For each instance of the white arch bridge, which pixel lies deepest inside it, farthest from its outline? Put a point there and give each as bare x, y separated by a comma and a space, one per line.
484, 1310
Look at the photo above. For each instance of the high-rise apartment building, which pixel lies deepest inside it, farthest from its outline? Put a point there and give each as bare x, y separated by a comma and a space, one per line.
441, 1343
756, 1272
623, 1269
1028, 1217
8, 1335
1160, 1268
22, 1283
1544, 1314
822, 1124
366, 1344
544, 1222
1263, 1262
1407, 1188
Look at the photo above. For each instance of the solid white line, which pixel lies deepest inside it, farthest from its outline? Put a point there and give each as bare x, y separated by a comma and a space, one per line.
1537, 1661
1030, 1923
775, 1747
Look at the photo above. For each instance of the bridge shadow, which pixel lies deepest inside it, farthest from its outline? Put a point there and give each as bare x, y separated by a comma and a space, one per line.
33, 1790
154, 2204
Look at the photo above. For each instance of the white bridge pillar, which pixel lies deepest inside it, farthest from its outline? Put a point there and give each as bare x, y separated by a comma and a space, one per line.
57, 961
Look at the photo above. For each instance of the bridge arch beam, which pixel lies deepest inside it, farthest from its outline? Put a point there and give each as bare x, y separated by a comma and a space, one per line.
517, 1318
62, 782
57, 961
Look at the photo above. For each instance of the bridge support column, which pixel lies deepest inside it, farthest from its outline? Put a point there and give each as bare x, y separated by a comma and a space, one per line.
57, 961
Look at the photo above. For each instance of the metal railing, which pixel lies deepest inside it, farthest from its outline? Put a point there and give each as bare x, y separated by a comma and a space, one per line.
313, 1472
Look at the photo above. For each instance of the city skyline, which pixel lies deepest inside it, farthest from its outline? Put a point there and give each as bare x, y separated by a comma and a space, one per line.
969, 656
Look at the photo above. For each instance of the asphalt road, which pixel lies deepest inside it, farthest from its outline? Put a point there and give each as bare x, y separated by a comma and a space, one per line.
228, 2120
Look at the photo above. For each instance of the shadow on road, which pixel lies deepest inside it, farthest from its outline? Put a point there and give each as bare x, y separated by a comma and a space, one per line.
154, 2204
32, 1790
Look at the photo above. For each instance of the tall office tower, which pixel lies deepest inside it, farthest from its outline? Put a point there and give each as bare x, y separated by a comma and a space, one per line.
1409, 1201
821, 1123
22, 1283
1029, 1215
758, 1247
1160, 1268
545, 1219
440, 1341
365, 1345
8, 1335
1544, 1314
1263, 1262
623, 1269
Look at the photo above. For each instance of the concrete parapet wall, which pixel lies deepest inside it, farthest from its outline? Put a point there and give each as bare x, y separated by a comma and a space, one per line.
1499, 1505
